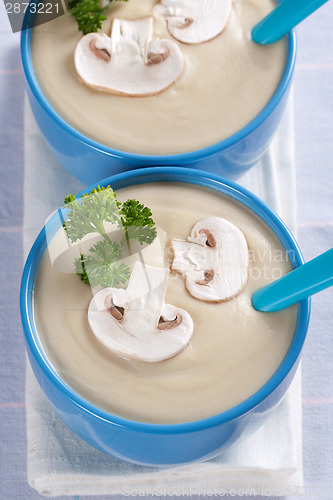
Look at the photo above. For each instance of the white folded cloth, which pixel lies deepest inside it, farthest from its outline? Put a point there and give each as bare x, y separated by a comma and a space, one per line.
267, 463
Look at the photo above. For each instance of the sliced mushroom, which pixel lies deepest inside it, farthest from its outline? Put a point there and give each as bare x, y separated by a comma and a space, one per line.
213, 260
129, 63
194, 21
136, 322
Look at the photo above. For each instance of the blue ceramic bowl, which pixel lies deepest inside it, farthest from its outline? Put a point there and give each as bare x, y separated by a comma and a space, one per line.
90, 161
149, 443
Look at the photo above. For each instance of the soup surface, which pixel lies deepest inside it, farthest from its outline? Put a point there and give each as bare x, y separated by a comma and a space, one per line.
225, 83
233, 351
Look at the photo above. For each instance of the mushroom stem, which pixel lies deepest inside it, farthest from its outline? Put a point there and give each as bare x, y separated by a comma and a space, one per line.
145, 296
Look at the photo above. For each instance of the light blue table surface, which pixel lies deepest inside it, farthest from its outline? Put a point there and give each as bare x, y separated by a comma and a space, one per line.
313, 100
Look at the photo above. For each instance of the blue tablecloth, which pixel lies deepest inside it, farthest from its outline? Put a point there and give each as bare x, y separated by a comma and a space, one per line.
314, 152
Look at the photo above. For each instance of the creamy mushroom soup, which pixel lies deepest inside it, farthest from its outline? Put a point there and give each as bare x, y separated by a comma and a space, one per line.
232, 352
225, 82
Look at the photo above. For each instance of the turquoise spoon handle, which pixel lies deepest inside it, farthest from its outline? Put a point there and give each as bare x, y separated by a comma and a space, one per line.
283, 19
310, 278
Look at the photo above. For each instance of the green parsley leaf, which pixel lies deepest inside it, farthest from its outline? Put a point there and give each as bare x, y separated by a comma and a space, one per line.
97, 272
87, 215
138, 222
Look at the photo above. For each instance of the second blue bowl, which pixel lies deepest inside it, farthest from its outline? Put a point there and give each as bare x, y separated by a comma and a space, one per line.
153, 444
90, 161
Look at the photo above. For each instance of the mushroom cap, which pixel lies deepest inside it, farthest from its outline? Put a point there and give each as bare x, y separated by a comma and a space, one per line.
194, 21
213, 260
130, 62
136, 334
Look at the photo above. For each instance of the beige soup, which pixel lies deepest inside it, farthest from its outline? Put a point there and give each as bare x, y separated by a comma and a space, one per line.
226, 82
234, 349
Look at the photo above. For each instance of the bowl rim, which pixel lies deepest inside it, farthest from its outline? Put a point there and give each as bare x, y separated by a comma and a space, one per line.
172, 159
198, 178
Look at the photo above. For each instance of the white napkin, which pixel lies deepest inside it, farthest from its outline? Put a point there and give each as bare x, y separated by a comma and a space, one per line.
59, 463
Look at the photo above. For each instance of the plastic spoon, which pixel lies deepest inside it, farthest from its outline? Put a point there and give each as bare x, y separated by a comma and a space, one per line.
306, 280
283, 18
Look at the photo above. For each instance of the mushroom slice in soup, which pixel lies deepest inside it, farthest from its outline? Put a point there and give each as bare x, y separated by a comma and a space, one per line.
136, 323
130, 62
194, 21
213, 260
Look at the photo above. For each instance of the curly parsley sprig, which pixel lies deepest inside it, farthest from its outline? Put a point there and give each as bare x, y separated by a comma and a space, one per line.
87, 215
89, 14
